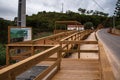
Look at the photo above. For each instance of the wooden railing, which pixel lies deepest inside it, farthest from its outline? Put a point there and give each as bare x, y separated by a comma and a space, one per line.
10, 72
78, 50
22, 50
18, 52
69, 42
66, 44
106, 71
53, 39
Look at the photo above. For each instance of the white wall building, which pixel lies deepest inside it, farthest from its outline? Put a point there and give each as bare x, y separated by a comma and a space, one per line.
75, 27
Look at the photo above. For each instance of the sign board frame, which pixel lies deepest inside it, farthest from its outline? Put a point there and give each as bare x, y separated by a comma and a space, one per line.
24, 31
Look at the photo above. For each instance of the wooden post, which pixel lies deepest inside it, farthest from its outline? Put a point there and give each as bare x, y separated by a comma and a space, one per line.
33, 52
59, 56
75, 37
7, 55
44, 41
79, 36
12, 76
78, 51
67, 49
8, 34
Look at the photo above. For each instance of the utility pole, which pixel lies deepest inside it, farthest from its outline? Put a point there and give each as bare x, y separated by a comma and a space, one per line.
21, 20
113, 21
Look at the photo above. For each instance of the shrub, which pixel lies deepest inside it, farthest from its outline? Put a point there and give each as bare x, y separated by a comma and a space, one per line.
2, 55
118, 27
88, 25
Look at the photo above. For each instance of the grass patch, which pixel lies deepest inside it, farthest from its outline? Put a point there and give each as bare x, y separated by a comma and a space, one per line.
118, 27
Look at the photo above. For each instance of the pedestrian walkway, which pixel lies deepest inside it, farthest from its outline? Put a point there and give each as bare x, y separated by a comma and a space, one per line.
85, 68
74, 69
85, 55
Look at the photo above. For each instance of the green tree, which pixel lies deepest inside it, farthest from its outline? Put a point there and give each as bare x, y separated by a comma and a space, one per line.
82, 11
118, 27
4, 30
88, 25
2, 55
117, 9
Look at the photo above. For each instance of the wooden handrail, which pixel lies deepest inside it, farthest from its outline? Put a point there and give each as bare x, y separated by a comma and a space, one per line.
41, 44
28, 45
69, 36
55, 35
13, 70
10, 72
69, 41
78, 42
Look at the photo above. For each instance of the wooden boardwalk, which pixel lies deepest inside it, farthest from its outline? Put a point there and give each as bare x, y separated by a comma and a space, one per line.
85, 68
60, 68
75, 69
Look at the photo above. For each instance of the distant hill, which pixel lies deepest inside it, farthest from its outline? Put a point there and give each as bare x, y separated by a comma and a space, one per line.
44, 21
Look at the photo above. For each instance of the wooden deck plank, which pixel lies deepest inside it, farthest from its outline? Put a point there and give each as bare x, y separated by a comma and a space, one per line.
75, 69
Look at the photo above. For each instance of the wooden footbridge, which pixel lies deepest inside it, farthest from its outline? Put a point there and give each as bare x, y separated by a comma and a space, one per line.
50, 51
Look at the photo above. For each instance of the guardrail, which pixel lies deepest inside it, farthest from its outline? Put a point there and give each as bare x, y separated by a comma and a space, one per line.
18, 52
78, 50
21, 50
69, 42
10, 72
53, 39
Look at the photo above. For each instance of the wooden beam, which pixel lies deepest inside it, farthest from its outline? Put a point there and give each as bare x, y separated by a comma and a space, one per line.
51, 59
90, 51
48, 70
28, 45
24, 53
7, 55
78, 51
69, 36
3, 66
75, 50
78, 42
18, 57
24, 65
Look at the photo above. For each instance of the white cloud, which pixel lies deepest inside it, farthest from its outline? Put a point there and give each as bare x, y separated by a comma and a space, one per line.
8, 10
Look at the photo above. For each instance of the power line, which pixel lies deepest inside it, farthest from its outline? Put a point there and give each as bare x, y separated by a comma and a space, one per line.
98, 5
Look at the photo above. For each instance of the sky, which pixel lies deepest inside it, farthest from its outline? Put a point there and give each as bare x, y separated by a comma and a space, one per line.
9, 8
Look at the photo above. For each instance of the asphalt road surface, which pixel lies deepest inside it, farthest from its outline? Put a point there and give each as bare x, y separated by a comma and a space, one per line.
112, 45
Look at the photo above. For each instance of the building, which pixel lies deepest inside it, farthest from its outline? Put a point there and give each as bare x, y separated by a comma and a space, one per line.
71, 25
75, 27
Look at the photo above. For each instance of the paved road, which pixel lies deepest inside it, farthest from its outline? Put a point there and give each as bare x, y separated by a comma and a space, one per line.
112, 46
111, 41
